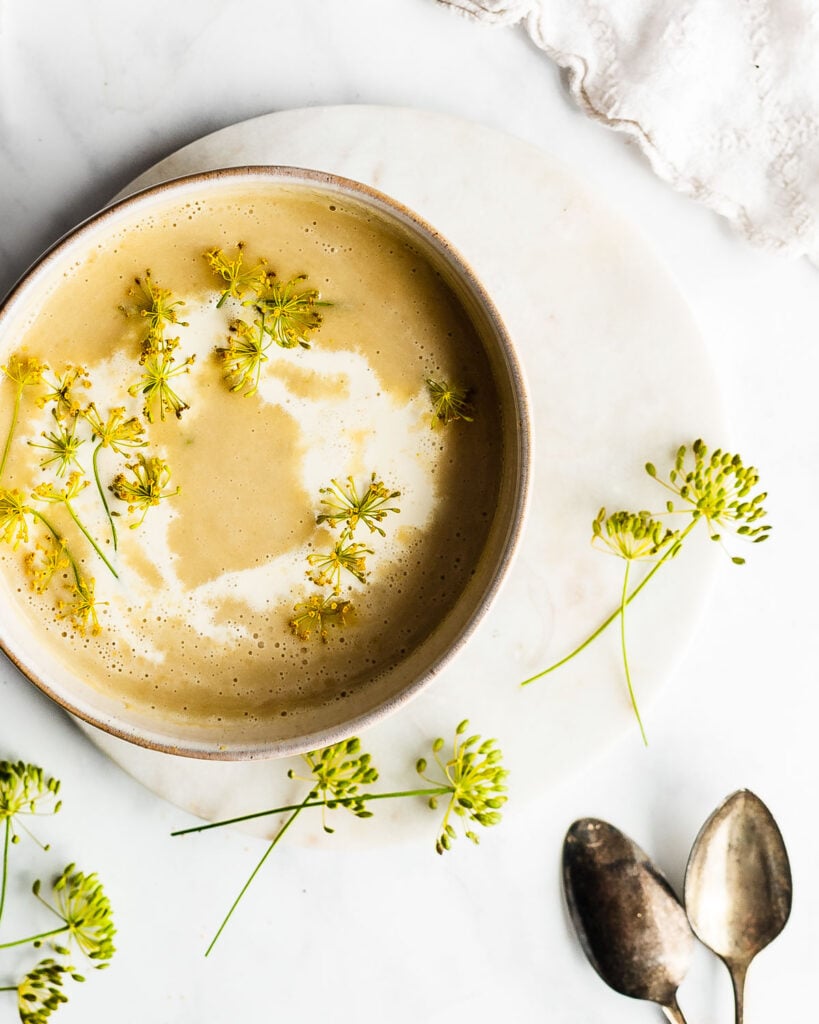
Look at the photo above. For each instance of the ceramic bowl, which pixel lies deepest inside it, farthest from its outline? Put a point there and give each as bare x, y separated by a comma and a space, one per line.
262, 731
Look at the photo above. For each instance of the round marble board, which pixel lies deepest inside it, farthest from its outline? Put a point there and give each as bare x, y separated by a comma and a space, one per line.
617, 375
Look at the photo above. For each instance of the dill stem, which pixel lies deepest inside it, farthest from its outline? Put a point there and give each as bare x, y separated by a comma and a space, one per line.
35, 938
672, 550
103, 498
14, 416
8, 988
305, 804
631, 693
255, 872
6, 839
90, 539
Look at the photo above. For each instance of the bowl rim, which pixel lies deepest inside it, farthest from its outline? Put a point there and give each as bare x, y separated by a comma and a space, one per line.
276, 174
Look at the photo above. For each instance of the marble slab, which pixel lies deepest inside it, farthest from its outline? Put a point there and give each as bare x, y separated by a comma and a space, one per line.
618, 375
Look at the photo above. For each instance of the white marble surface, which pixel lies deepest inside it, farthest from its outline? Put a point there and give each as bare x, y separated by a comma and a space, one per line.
92, 94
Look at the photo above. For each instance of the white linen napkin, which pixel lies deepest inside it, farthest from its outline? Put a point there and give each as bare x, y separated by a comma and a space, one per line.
721, 95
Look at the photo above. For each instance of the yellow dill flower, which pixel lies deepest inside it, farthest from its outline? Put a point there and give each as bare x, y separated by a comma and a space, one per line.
155, 385
24, 370
63, 444
449, 402
159, 309
634, 536
343, 558
47, 560
345, 505
147, 486
13, 512
81, 611
244, 354
290, 315
116, 433
74, 485
239, 278
62, 392
317, 614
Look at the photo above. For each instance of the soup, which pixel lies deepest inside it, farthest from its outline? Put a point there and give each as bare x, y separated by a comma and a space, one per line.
244, 595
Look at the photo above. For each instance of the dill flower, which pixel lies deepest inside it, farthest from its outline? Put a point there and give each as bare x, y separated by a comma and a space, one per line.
240, 279
80, 901
475, 779
26, 789
13, 512
449, 402
318, 614
631, 535
244, 354
117, 432
147, 486
48, 559
158, 371
82, 610
345, 505
62, 444
40, 993
290, 315
62, 392
337, 774
345, 557
718, 489
24, 371
157, 307
74, 486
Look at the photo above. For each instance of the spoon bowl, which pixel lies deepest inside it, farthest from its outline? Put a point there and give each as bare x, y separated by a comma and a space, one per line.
738, 889
630, 923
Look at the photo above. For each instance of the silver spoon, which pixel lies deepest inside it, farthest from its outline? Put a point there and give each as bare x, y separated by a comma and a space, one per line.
738, 885
632, 927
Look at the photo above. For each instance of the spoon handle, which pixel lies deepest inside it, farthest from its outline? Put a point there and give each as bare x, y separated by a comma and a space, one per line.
674, 1013
738, 972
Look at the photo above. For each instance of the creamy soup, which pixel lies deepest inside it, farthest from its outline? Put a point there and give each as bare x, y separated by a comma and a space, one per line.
198, 625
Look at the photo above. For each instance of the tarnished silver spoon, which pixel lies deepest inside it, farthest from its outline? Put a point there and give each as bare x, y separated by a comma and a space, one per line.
632, 927
738, 885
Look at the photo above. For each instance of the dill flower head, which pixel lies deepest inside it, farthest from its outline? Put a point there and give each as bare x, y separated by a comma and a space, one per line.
24, 370
47, 560
82, 610
345, 505
80, 901
61, 392
47, 492
117, 432
345, 557
159, 370
158, 309
631, 535
62, 445
290, 314
13, 512
26, 789
337, 774
244, 354
717, 487
40, 993
449, 402
318, 614
239, 278
475, 778
146, 486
